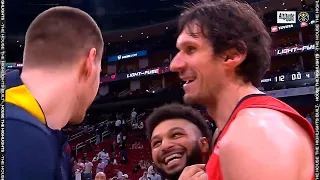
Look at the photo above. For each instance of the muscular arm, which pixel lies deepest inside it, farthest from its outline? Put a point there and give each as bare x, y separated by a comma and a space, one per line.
260, 148
28, 155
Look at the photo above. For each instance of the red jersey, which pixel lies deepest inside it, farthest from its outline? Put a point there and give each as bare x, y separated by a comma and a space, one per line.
213, 168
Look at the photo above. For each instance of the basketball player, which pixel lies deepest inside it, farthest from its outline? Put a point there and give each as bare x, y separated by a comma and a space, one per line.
179, 137
59, 80
223, 55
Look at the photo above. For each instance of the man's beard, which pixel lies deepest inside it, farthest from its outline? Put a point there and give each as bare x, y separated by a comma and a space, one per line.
194, 158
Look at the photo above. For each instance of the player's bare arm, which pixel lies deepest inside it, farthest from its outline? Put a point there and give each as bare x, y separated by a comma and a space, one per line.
265, 144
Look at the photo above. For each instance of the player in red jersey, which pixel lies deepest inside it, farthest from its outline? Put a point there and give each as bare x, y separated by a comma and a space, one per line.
223, 55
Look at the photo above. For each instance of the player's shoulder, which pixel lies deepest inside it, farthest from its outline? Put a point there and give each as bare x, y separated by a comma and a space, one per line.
265, 136
259, 124
266, 120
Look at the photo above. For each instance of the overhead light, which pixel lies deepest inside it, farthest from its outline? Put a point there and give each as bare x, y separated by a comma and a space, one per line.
283, 4
167, 27
147, 37
128, 41
266, 7
121, 36
17, 41
20, 45
285, 9
108, 43
142, 33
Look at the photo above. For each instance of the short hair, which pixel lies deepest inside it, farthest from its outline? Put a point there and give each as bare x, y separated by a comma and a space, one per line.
228, 24
61, 35
174, 111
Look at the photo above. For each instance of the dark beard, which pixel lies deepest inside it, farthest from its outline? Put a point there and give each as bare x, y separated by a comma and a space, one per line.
194, 158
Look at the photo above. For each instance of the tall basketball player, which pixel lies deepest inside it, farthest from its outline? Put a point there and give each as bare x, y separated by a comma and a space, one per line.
223, 55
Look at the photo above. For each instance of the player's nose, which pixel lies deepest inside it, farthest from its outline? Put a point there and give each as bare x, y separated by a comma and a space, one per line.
166, 145
177, 64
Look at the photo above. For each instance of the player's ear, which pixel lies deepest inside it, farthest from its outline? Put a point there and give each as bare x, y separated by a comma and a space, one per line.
204, 144
235, 56
88, 64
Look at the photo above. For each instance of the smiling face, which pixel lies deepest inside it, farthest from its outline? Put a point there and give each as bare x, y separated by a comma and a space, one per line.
198, 66
177, 143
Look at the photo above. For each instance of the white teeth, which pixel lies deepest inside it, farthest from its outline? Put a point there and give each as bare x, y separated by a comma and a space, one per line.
170, 158
189, 81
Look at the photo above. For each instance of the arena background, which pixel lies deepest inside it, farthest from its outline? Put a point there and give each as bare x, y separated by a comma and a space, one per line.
140, 40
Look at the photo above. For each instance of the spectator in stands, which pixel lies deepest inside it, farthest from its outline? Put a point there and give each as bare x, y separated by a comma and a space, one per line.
123, 125
85, 156
104, 156
144, 176
87, 174
141, 165
119, 139
78, 169
86, 129
133, 116
123, 153
95, 159
181, 130
101, 166
118, 126
98, 138
80, 164
77, 174
113, 149
100, 176
119, 174
124, 137
141, 125
113, 161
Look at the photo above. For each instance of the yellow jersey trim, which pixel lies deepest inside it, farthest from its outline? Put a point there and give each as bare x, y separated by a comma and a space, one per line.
21, 97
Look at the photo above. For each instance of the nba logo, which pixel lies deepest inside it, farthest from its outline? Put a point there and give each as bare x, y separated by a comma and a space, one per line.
119, 57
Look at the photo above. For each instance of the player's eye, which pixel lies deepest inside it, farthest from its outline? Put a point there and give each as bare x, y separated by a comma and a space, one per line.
190, 50
176, 135
156, 144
